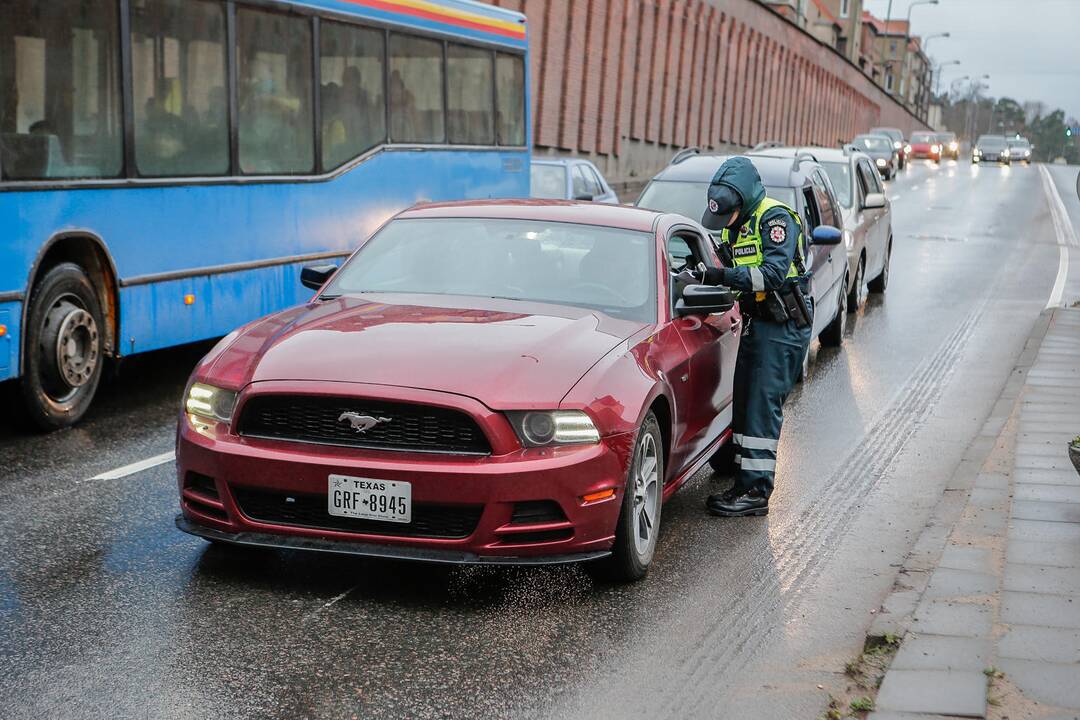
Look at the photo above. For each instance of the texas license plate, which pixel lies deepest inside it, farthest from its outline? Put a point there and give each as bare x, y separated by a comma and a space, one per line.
354, 497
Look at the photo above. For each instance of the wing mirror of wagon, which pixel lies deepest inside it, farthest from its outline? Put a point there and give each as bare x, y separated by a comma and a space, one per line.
827, 235
584, 196
315, 276
873, 201
704, 300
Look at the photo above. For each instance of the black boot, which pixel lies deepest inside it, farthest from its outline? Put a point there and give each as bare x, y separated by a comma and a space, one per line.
736, 503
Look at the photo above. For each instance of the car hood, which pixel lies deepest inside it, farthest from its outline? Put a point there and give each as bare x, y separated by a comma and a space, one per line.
504, 353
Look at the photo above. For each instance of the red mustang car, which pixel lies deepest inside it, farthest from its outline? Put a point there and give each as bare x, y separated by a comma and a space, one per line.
499, 382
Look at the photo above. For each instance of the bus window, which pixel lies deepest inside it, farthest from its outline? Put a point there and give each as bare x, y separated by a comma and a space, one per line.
510, 97
469, 97
178, 74
274, 89
60, 90
416, 90
352, 95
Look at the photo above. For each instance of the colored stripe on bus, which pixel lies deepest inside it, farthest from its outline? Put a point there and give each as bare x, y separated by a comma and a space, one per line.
448, 16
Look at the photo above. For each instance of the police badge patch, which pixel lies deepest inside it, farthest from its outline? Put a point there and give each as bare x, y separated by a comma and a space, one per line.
713, 207
778, 235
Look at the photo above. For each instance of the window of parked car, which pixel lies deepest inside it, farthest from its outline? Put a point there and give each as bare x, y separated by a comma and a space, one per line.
830, 215
548, 181
840, 174
275, 93
608, 269
581, 186
869, 180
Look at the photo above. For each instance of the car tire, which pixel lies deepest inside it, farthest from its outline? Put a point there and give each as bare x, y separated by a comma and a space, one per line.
856, 296
833, 334
64, 351
881, 282
631, 555
723, 460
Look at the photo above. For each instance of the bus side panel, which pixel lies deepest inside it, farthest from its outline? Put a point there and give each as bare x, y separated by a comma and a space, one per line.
199, 227
10, 317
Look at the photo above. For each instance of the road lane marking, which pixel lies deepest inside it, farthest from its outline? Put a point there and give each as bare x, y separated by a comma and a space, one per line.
1064, 232
135, 467
329, 603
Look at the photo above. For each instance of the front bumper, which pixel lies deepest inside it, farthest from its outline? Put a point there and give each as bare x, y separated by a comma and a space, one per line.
219, 473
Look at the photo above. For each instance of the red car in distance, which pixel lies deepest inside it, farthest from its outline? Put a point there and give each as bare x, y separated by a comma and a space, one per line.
925, 145
485, 382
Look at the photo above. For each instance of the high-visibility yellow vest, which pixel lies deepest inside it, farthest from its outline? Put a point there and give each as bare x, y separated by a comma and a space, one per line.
747, 248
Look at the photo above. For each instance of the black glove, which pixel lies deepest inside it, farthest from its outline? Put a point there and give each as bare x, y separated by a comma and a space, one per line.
691, 275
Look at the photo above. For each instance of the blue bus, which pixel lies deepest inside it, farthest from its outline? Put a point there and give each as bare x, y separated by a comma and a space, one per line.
167, 166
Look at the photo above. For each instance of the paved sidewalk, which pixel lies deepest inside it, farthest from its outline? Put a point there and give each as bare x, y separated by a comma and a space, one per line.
988, 604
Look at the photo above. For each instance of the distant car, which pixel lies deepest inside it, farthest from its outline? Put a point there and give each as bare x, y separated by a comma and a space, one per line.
881, 151
1019, 150
867, 216
950, 146
925, 145
900, 145
799, 183
525, 382
569, 179
991, 148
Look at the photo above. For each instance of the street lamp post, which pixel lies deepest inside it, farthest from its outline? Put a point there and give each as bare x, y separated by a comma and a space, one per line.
907, 38
937, 86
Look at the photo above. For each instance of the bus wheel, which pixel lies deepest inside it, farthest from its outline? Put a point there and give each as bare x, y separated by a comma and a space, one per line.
64, 348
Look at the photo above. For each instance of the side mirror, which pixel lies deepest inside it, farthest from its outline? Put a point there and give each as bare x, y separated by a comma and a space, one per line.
584, 196
873, 201
315, 276
704, 300
827, 235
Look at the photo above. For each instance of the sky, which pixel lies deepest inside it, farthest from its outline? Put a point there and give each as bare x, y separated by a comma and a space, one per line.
1029, 48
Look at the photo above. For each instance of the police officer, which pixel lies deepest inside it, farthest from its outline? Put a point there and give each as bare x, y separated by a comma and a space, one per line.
761, 241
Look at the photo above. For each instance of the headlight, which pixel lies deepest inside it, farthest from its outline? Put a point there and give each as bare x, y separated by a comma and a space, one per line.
881, 162
953, 147
896, 144
907, 149
209, 402
1027, 153
1005, 152
976, 151
934, 148
538, 428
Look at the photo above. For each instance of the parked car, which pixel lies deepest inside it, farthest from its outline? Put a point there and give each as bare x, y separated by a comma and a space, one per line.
925, 145
867, 216
1019, 150
569, 179
802, 184
880, 149
900, 145
950, 146
481, 382
991, 148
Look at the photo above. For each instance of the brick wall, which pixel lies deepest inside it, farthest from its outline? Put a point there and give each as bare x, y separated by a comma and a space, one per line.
627, 82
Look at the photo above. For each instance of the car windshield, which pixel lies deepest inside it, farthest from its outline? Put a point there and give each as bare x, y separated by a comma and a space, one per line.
922, 138
946, 137
688, 198
548, 181
598, 268
991, 143
874, 143
840, 175
1022, 144
892, 133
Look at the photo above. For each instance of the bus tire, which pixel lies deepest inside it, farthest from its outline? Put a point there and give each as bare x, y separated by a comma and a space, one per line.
64, 348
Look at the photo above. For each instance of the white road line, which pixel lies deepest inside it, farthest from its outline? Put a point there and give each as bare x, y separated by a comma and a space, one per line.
332, 601
137, 466
1064, 232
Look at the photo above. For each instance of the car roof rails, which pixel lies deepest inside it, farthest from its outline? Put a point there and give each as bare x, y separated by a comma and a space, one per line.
801, 157
683, 154
767, 145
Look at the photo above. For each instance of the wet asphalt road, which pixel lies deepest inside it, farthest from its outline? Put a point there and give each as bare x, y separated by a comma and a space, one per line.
107, 611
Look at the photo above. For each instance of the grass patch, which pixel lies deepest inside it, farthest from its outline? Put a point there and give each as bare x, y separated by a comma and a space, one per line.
862, 704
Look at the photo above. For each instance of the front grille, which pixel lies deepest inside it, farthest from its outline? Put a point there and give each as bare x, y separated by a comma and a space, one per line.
330, 421
429, 521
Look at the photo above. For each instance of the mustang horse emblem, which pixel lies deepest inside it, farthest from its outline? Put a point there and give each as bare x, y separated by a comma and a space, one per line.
361, 423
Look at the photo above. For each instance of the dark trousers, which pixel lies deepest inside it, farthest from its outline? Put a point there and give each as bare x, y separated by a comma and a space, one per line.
769, 363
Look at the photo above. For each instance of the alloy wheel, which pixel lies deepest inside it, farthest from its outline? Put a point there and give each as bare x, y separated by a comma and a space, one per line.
646, 505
